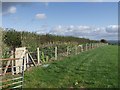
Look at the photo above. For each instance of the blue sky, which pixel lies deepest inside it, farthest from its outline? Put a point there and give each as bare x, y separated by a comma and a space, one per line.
82, 19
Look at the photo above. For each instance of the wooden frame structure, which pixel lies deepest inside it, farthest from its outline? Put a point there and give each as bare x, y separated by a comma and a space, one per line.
10, 80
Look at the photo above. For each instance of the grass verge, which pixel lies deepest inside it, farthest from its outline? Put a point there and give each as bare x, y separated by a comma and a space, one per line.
97, 68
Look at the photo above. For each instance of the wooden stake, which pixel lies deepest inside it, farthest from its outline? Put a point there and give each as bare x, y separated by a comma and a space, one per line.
81, 48
38, 55
86, 46
91, 45
32, 59
27, 60
8, 63
12, 64
67, 50
56, 53
12, 67
76, 50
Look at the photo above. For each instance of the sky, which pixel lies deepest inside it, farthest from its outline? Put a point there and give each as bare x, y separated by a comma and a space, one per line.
60, 0
93, 20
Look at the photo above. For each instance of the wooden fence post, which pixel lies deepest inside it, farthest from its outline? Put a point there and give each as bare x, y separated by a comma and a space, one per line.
12, 62
12, 67
86, 47
56, 53
38, 55
27, 60
92, 45
95, 45
81, 48
32, 59
67, 50
76, 49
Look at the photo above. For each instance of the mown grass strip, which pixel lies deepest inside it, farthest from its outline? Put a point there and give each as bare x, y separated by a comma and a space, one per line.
96, 68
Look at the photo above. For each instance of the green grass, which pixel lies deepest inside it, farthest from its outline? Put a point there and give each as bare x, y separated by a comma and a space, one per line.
97, 68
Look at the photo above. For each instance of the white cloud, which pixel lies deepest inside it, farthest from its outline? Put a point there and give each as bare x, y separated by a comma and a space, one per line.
58, 30
71, 30
10, 10
40, 16
84, 31
42, 30
112, 29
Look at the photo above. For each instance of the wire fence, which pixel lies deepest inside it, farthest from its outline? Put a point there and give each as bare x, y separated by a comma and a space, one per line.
56, 52
12, 75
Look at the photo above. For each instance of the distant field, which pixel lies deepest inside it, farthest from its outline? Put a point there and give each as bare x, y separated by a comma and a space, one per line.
97, 68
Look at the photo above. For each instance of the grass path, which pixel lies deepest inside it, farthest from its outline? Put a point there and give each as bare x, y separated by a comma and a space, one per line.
96, 68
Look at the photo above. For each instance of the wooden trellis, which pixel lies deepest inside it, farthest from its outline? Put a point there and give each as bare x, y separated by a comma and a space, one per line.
12, 72
8, 79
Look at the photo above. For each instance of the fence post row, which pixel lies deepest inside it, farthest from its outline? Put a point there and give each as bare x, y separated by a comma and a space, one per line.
27, 57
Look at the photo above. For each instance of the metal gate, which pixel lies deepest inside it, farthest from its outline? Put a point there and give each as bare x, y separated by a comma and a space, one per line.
8, 76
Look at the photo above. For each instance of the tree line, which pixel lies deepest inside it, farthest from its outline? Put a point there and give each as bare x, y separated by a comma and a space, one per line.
13, 38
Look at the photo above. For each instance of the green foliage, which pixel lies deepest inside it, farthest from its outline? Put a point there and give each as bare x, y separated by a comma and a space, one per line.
6, 54
48, 51
47, 58
103, 41
12, 38
32, 40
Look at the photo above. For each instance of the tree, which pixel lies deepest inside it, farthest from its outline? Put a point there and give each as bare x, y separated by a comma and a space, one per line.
103, 41
12, 39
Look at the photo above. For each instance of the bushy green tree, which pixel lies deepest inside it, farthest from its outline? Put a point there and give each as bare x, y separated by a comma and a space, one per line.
103, 41
12, 38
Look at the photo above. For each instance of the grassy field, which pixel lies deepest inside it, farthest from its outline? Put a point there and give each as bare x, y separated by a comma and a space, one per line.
97, 68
